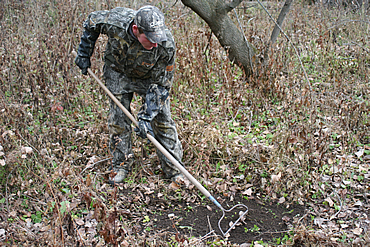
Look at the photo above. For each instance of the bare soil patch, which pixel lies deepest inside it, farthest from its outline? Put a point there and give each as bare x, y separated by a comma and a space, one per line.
174, 216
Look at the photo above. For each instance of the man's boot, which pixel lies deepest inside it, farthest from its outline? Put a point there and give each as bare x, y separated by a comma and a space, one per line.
180, 180
121, 170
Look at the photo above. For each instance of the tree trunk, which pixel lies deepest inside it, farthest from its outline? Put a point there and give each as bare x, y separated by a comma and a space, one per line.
215, 14
276, 31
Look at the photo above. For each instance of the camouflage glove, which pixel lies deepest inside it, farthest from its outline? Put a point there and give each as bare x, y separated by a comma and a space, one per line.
154, 100
83, 63
143, 129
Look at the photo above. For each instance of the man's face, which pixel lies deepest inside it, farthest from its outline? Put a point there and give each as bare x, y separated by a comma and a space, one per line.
145, 42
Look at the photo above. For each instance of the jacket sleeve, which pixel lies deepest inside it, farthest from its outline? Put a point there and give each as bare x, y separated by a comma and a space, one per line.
92, 29
87, 44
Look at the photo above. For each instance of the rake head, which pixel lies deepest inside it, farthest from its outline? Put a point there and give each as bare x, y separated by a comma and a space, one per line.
241, 217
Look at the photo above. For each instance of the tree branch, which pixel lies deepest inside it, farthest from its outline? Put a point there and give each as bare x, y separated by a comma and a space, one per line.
232, 5
215, 14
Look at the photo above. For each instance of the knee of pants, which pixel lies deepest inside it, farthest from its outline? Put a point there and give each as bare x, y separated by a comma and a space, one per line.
118, 122
115, 129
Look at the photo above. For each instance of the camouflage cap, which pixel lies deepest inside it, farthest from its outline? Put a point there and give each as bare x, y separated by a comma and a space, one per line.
151, 20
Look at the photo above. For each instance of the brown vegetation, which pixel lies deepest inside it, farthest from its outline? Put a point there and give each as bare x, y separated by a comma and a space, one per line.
302, 142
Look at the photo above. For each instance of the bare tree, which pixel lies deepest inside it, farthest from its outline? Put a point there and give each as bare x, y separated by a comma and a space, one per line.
215, 14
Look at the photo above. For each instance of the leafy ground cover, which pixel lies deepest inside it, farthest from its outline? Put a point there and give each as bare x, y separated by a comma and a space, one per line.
294, 148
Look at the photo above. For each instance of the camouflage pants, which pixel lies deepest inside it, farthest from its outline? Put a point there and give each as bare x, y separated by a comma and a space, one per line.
120, 129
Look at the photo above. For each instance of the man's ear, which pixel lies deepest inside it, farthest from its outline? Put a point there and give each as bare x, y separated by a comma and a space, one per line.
135, 29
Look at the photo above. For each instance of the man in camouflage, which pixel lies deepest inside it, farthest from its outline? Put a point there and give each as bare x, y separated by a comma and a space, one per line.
139, 57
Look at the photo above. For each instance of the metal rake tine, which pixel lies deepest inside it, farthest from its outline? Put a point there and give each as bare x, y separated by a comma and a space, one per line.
236, 222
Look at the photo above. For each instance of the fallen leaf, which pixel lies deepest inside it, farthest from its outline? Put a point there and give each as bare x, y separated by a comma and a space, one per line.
362, 168
8, 132
346, 182
248, 185
88, 180
80, 222
248, 192
175, 186
275, 178
319, 221
240, 176
231, 224
330, 201
344, 225
245, 245
292, 139
286, 218
290, 171
13, 214
26, 150
357, 231
44, 152
125, 243
360, 153
281, 200
357, 242
45, 228
82, 232
38, 225
92, 160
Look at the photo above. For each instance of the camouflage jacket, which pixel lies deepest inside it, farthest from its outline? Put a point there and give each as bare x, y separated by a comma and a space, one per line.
124, 53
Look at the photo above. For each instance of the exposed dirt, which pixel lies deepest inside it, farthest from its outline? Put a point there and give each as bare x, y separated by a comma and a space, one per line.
174, 216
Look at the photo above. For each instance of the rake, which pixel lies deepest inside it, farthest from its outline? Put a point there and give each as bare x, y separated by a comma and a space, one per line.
175, 162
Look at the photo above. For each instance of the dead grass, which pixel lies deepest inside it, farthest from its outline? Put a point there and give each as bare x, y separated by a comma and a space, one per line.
294, 140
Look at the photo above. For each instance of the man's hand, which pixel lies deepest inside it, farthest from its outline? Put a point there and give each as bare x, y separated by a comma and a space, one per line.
143, 129
83, 63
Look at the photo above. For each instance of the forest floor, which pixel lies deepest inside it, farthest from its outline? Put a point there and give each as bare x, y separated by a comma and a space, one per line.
291, 144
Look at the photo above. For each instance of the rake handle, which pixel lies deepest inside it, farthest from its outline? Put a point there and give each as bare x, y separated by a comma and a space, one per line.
155, 142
